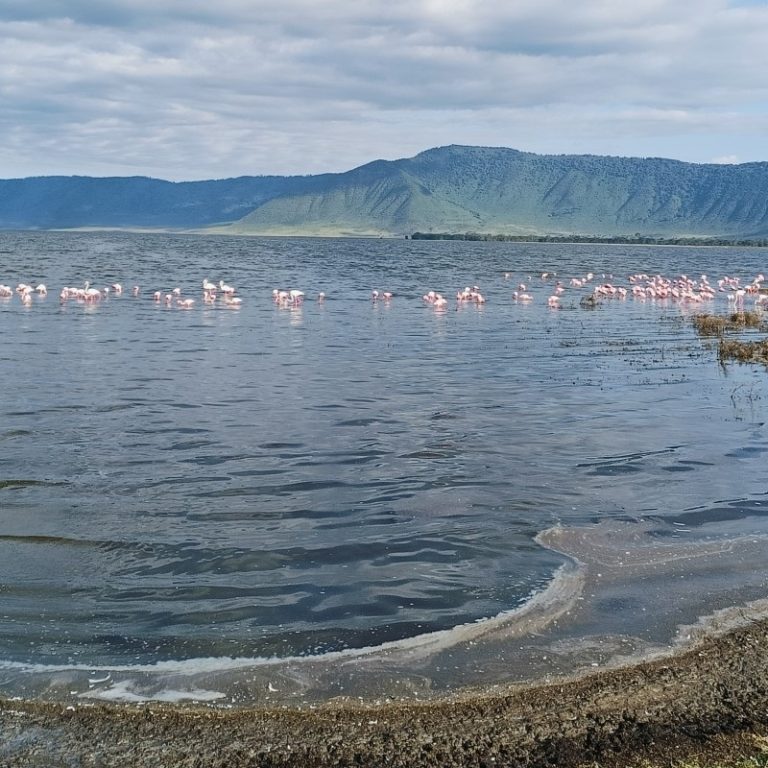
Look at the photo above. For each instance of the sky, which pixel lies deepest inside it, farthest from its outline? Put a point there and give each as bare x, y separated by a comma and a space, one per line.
204, 89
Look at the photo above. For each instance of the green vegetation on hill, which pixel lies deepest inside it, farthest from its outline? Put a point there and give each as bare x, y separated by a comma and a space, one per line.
449, 190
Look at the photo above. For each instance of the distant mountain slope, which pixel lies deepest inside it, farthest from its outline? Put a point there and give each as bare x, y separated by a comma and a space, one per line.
448, 189
459, 189
48, 202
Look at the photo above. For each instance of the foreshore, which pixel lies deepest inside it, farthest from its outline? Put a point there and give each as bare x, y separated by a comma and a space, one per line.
710, 699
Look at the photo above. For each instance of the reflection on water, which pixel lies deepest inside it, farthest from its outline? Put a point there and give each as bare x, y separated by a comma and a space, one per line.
292, 481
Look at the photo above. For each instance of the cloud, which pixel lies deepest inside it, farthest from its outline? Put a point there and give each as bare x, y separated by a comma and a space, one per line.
189, 89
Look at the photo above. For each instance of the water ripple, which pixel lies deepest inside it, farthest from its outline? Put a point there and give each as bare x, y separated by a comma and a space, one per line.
273, 482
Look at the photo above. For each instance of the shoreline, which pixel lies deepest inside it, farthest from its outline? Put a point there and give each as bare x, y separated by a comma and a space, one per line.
705, 699
222, 230
701, 696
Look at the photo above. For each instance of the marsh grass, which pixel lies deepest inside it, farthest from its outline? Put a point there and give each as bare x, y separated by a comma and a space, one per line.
717, 325
734, 349
743, 351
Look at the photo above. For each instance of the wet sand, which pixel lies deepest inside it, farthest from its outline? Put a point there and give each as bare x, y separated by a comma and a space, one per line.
707, 700
636, 652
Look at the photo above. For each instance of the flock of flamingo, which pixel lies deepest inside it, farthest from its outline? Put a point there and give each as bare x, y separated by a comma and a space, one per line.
91, 295
639, 286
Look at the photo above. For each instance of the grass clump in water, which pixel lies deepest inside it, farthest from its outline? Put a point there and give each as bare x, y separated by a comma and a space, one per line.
717, 325
750, 319
709, 325
743, 351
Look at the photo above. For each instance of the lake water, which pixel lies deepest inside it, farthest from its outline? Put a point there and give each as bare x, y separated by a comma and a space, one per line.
274, 483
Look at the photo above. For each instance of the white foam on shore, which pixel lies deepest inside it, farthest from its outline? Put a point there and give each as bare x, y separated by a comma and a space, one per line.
559, 630
539, 610
126, 691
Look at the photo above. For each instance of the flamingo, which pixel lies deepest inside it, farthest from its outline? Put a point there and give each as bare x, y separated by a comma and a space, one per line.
91, 294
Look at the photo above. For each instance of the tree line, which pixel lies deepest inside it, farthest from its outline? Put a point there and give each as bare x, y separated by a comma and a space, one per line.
637, 239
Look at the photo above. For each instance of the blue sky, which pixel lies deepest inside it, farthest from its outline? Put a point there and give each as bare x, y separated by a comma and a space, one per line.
190, 89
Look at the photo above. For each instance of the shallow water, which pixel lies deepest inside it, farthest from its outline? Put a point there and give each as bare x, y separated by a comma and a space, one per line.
261, 482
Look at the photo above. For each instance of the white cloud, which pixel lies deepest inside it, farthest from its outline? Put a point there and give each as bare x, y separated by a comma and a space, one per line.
189, 89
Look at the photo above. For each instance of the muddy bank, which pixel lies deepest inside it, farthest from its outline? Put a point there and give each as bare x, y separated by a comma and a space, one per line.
682, 705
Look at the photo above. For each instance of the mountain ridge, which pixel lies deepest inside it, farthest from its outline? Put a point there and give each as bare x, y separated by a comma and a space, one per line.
452, 189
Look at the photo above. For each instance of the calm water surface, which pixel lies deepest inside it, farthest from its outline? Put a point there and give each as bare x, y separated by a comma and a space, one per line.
269, 481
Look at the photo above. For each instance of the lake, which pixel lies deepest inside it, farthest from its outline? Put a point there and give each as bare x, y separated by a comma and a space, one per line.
222, 488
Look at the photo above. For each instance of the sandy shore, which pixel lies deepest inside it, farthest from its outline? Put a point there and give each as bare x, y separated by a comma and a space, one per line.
709, 698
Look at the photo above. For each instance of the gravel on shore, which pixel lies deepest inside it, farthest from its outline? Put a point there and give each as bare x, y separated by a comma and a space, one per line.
710, 699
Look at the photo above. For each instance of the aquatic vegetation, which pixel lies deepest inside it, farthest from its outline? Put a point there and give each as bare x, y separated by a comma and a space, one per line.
750, 351
743, 351
717, 325
709, 325
747, 319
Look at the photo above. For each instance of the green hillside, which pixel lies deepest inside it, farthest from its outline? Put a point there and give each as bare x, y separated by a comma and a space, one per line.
459, 189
